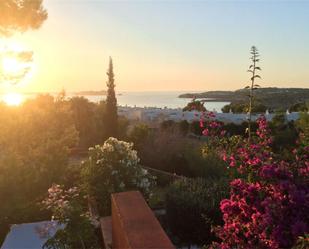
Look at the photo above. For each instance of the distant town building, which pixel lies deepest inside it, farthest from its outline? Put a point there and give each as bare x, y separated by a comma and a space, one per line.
153, 115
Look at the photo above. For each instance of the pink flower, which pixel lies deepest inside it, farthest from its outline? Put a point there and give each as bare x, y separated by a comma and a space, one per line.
205, 132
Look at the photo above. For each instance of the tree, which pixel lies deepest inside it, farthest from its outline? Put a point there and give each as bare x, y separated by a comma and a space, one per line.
111, 104
253, 68
138, 135
83, 113
34, 139
21, 15
195, 105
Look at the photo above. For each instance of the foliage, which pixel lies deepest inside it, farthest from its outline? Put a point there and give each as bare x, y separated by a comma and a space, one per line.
209, 165
284, 134
192, 207
233, 129
183, 127
91, 122
122, 124
303, 125
83, 113
111, 104
195, 105
253, 68
268, 202
114, 167
244, 108
172, 152
69, 208
168, 125
195, 128
34, 142
138, 135
23, 57
163, 150
299, 107
20, 15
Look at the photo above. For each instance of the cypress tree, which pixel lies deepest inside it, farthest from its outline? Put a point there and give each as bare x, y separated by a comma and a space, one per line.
111, 118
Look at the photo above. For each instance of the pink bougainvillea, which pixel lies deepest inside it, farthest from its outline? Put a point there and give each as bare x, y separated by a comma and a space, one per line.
268, 206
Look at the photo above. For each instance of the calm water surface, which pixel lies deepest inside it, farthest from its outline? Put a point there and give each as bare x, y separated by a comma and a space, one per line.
156, 99
147, 99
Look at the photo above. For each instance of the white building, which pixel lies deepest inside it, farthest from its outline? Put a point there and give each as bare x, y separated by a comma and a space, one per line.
152, 114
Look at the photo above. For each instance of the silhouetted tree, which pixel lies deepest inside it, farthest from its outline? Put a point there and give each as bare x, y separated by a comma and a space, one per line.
253, 68
195, 105
111, 120
21, 15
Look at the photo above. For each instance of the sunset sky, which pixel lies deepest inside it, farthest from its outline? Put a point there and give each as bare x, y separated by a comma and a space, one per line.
167, 45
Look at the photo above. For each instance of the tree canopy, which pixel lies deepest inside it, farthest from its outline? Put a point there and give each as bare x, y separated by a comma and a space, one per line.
21, 15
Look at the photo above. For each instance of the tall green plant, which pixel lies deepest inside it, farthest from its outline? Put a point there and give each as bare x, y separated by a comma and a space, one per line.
111, 103
253, 69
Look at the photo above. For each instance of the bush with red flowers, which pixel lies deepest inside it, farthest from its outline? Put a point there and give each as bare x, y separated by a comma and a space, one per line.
268, 205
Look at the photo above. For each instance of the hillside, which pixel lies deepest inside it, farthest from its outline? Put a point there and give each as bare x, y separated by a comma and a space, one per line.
275, 98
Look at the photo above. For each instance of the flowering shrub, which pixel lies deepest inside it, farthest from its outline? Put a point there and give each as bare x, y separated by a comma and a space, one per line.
269, 201
114, 167
69, 208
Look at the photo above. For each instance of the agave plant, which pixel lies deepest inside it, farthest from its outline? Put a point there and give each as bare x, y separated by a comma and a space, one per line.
253, 69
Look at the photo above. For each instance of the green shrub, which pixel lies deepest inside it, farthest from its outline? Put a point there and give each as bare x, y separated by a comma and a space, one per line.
138, 135
192, 207
113, 167
205, 165
174, 153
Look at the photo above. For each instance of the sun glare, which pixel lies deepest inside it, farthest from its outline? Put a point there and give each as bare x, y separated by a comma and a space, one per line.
16, 64
13, 99
10, 65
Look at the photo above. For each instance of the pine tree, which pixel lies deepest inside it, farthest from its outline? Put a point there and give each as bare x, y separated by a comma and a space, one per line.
111, 117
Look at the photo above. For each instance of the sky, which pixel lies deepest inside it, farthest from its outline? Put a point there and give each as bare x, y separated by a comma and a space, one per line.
167, 45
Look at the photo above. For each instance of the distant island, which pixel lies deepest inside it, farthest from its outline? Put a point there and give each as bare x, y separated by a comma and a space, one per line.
272, 97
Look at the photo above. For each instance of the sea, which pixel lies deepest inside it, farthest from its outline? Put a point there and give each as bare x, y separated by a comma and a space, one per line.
147, 99
156, 99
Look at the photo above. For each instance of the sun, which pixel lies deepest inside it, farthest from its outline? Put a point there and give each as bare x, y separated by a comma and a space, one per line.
13, 99
10, 65
16, 64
